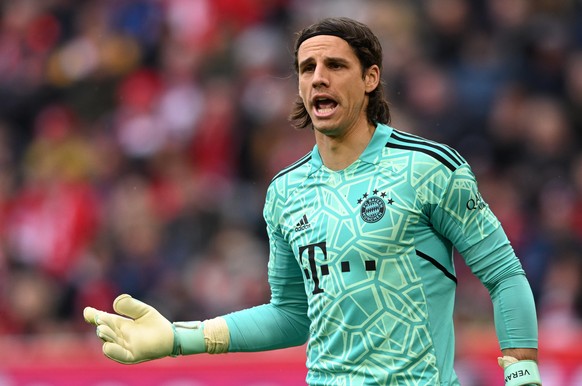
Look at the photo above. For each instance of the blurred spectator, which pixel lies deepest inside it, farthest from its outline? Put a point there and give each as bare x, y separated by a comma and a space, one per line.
94, 50
30, 303
55, 215
28, 34
230, 275
562, 286
430, 96
573, 94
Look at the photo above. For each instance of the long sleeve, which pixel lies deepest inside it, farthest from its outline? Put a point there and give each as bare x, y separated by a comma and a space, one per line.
465, 219
515, 314
495, 264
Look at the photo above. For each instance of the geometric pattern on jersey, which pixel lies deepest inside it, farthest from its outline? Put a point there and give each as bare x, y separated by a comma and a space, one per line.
378, 275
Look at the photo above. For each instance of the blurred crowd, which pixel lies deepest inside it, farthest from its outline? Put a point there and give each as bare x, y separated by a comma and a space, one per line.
137, 139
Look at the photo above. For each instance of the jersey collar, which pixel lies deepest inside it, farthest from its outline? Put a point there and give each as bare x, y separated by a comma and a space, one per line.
371, 153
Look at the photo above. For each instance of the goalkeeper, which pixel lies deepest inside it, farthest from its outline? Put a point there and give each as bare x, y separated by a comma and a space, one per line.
362, 231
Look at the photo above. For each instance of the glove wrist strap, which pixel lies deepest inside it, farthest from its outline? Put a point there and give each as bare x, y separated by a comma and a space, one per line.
188, 338
216, 335
522, 373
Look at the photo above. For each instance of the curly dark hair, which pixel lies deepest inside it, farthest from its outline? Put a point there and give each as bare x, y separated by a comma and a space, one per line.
367, 48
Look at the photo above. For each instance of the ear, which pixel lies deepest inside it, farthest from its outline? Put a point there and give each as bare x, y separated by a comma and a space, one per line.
372, 78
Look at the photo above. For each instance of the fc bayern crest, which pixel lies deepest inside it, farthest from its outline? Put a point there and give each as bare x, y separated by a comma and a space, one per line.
373, 209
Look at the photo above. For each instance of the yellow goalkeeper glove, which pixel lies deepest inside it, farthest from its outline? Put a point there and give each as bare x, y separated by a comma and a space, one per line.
519, 373
140, 333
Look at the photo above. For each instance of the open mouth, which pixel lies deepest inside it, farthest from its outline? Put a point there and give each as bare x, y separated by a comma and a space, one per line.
324, 106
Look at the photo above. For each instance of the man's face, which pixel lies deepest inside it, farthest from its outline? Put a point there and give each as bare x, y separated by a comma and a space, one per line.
331, 85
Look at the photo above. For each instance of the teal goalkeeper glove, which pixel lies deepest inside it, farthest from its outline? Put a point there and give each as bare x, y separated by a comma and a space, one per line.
519, 373
140, 333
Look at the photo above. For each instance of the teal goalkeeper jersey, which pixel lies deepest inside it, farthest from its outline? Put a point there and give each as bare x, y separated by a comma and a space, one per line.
361, 260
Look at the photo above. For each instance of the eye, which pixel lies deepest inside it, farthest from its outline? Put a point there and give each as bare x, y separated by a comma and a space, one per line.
307, 68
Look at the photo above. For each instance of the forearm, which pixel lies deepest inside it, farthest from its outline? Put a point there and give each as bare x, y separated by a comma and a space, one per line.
494, 262
276, 325
515, 315
266, 327
281, 323
516, 325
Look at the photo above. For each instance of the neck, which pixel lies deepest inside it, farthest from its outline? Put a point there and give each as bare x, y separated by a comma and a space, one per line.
339, 152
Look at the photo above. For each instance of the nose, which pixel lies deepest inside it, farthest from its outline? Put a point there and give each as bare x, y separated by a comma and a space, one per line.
320, 77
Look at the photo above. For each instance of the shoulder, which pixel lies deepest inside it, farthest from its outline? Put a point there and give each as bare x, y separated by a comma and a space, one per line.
296, 171
282, 186
291, 176
419, 152
424, 150
431, 168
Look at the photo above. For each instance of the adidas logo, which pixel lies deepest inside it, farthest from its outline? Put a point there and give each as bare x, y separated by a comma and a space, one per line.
302, 224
